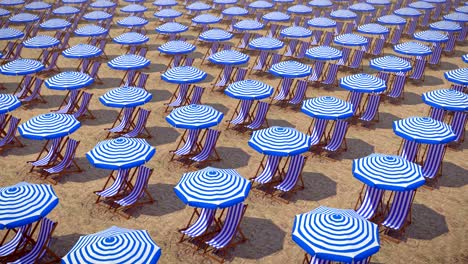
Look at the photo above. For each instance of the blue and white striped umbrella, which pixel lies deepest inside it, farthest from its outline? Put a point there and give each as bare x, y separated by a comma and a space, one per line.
41, 42
362, 7
66, 11
129, 62
198, 6
248, 25
206, 19
465, 58
215, 35
343, 14
260, 4
388, 172
424, 130
363, 82
276, 17
165, 3
391, 20
10, 34
23, 18
462, 9
120, 153
183, 74
299, 9
224, 2
74, 2
24, 203
423, 5
11, 2
49, 126
320, 3
447, 99
321, 22
436, 1
350, 40
295, 32
266, 43
283, 1
235, 11
102, 4
176, 47
194, 116
327, 107
97, 15
131, 38
55, 24
8, 103
290, 69
167, 14
339, 235
431, 36
126, 97
229, 57
407, 12
280, 141
373, 29
171, 28
91, 31
82, 51
445, 25
323, 53
458, 76
390, 64
114, 245
212, 188
4, 12
21, 67
379, 2
457, 17
249, 90
132, 21
69, 81
133, 8
36, 6
412, 48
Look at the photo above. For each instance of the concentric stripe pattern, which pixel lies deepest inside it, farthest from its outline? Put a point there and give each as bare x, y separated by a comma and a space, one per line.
363, 82
55, 23
132, 21
176, 47
423, 130
65, 10
198, 6
133, 8
260, 5
407, 11
41, 42
37, 6
323, 53
229, 57
279, 141
8, 102
321, 22
249, 90
21, 67
194, 117
457, 17
444, 25
128, 62
69, 81
23, 18
183, 74
266, 43
171, 28
248, 25
422, 5
343, 14
126, 97
412, 48
165, 3
296, 32
362, 7
350, 40
276, 16
82, 51
90, 31
49, 126
320, 3
390, 64
235, 11
290, 69
379, 2
131, 38
168, 13
458, 76
206, 19
97, 15
447, 99
10, 33
102, 4
431, 36
391, 20
327, 107
373, 29
299, 9
216, 35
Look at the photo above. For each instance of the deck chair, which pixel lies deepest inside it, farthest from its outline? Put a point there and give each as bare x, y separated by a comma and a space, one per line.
300, 54
432, 166
316, 72
244, 41
195, 95
140, 127
83, 109
212, 50
35, 93
332, 72
8, 50
384, 76
317, 133
270, 169
411, 27
458, 87
242, 113
4, 120
458, 124
450, 44
437, 113
275, 58
260, 62
378, 47
52, 66
124, 122
24, 87
316, 37
343, 61
143, 51
399, 216
462, 35
418, 70
314, 260
372, 108
282, 92
179, 97
51, 155
398, 86
260, 116
16, 243
339, 27
290, 48
338, 138
292, 176
201, 225
272, 31
426, 18
409, 150
223, 77
70, 105
188, 61
239, 75
348, 28
142, 79
10, 140
355, 99
434, 59
356, 62
328, 38
117, 187
369, 205
299, 92
94, 72
65, 165
129, 79
190, 143
208, 152
396, 36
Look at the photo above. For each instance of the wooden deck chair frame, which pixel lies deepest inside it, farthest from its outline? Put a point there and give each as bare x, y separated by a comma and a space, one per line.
380, 210
119, 119
385, 231
324, 139
196, 148
181, 61
278, 90
262, 167
214, 155
278, 195
18, 250
122, 81
64, 102
88, 113
63, 142
400, 149
236, 112
16, 141
120, 191
329, 135
220, 75
3, 125
174, 95
74, 167
145, 132
28, 88
377, 114
253, 112
197, 213
432, 183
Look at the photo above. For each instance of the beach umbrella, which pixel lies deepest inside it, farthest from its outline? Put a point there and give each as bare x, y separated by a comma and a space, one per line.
171, 28
41, 42
435, 1
290, 69
128, 62
431, 36
324, 53
391, 20
229, 57
350, 40
23, 18
295, 32
246, 25
424, 130
131, 38
283, 1
276, 17
120, 153
422, 5
97, 16
55, 24
336, 234
299, 10
327, 107
249, 90
4, 12
465, 58
457, 17
102, 4
11, 2
82, 51
91, 31
462, 9
235, 11
132, 21
373, 29
321, 22
167, 14
183, 75
8, 103
21, 67
206, 19
224, 2
37, 6
260, 5
363, 82
458, 76
10, 33
49, 126
362, 7
66, 11
446, 26
215, 35
412, 48
388, 172
447, 99
390, 64
320, 3
114, 245
280, 141
133, 8
69, 81
124, 97
379, 2
165, 3
198, 7
176, 47
212, 188
407, 12
25, 203
343, 14
194, 116
266, 43
74, 2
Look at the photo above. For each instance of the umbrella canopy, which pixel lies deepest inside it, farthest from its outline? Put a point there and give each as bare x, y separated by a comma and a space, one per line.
431, 36
392, 20
215, 35
97, 15
82, 51
290, 69
131, 38
446, 26
320, 3
165, 3
11, 2
23, 18
261, 5
379, 2
390, 64
102, 4
266, 43
388, 172
176, 47
128, 62
55, 24
465, 58
10, 34
4, 12
407, 12
436, 1
299, 9
194, 117
280, 141
336, 234
198, 6
447, 99
133, 8
132, 21
424, 130
422, 5
168, 13
350, 40
49, 126
363, 82
8, 103
66, 11
74, 2
37, 6
412, 48
120, 153
212, 188
24, 203
183, 74
249, 90
373, 29
224, 2
206, 19
343, 14
322, 22
327, 107
41, 42
362, 7
126, 97
324, 53
276, 17
296, 32
171, 28
457, 17
458, 76
462, 9
114, 245
69, 81
245, 25
91, 31
21, 67
229, 57
235, 11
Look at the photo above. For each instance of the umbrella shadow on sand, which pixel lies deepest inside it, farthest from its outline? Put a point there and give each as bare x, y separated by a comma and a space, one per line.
427, 224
